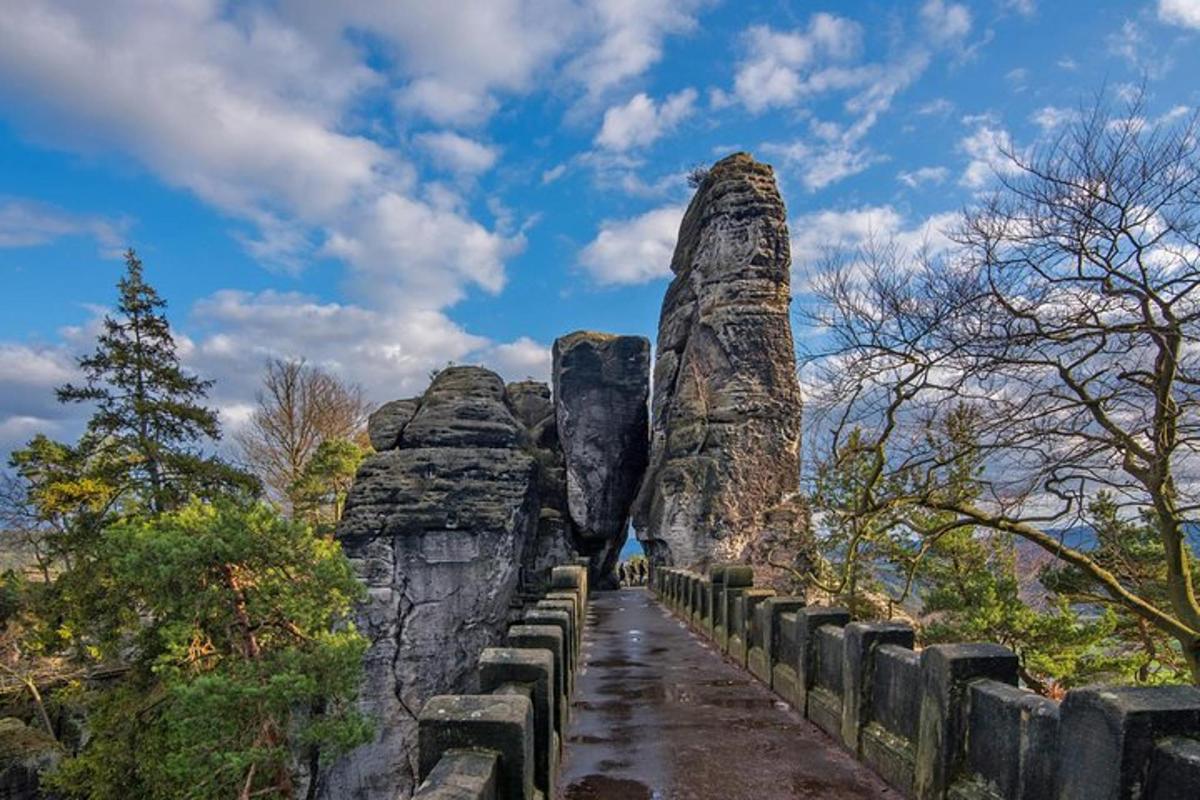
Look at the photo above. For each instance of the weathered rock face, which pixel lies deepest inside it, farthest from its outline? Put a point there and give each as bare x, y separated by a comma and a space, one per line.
387, 423
725, 435
601, 384
556, 541
437, 529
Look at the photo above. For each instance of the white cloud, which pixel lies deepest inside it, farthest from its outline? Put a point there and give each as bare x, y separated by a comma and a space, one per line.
821, 232
939, 107
1180, 12
458, 153
1026, 8
29, 374
26, 223
629, 39
553, 174
1131, 44
945, 22
783, 67
519, 359
986, 149
633, 250
641, 121
923, 175
408, 253
822, 163
1048, 118
391, 354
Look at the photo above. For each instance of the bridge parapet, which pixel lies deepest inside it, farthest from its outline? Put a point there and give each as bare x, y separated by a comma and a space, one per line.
946, 722
505, 743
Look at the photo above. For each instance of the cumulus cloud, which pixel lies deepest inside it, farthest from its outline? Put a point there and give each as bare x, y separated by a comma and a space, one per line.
458, 153
1048, 118
628, 39
922, 176
1180, 12
519, 359
634, 250
945, 22
986, 148
25, 223
820, 163
783, 67
819, 233
29, 373
642, 121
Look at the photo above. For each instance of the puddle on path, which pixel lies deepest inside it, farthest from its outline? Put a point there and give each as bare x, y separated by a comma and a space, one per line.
602, 787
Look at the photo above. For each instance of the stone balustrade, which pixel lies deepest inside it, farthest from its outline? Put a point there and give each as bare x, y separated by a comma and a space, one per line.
505, 742
946, 722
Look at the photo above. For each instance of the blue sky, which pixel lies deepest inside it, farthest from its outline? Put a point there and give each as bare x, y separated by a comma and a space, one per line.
383, 188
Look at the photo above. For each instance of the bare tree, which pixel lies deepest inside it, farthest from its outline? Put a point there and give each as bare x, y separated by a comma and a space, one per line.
299, 407
1067, 316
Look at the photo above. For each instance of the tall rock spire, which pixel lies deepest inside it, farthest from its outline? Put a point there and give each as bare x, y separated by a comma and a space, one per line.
725, 430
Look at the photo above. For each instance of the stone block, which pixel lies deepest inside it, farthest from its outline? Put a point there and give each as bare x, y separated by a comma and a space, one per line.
505, 665
1012, 740
825, 695
569, 607
574, 597
570, 577
809, 620
946, 672
500, 724
765, 632
889, 738
561, 618
545, 637
703, 617
742, 623
721, 632
1175, 770
1108, 738
858, 672
739, 575
786, 658
461, 775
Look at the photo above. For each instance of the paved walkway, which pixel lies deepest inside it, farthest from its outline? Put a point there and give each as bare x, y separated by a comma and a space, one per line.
659, 715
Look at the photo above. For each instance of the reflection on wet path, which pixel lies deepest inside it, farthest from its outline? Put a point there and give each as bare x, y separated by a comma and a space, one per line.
659, 715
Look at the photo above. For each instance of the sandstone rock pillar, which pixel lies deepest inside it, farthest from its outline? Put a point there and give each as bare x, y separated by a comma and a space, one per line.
725, 430
601, 385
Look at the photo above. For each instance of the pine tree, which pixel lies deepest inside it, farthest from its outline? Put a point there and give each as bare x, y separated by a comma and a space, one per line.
149, 411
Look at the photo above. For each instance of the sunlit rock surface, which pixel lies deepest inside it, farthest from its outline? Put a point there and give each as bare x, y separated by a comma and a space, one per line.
725, 428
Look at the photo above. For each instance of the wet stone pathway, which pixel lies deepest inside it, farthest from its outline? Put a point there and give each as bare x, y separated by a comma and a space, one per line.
659, 715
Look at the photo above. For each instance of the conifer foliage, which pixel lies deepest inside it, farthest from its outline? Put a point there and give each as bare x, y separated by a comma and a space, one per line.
149, 415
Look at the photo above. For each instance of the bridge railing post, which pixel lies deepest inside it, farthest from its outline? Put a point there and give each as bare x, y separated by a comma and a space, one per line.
507, 665
765, 636
501, 724
946, 673
743, 619
858, 672
1118, 742
738, 578
809, 621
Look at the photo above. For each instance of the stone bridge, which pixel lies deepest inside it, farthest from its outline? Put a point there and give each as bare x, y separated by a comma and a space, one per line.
706, 687
504, 664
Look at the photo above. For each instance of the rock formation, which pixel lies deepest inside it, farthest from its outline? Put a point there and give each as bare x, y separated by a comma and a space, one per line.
437, 529
725, 433
387, 423
555, 541
601, 383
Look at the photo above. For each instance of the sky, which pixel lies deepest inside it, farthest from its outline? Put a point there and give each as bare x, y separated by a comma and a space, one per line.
383, 188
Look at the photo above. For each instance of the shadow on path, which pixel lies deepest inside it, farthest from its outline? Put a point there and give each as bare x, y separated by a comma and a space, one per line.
659, 715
